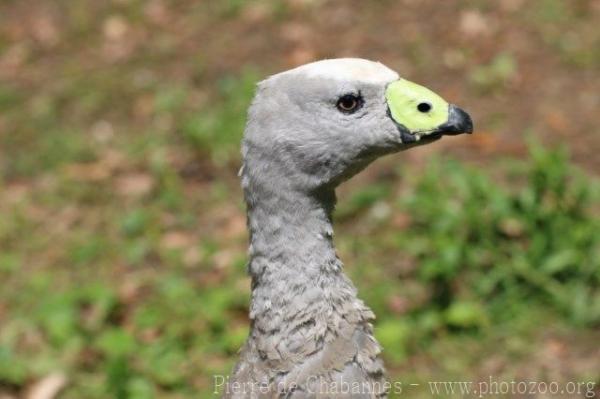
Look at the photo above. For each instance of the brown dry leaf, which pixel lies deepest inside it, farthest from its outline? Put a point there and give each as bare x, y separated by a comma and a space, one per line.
115, 27
65, 219
511, 5
474, 23
157, 12
212, 277
90, 172
13, 58
302, 4
143, 107
234, 226
48, 387
295, 32
121, 39
129, 290
223, 259
398, 304
45, 31
113, 159
118, 50
134, 184
555, 348
256, 13
110, 160
299, 35
15, 193
176, 240
150, 335
454, 58
401, 220
557, 121
493, 365
192, 256
484, 141
301, 55
102, 131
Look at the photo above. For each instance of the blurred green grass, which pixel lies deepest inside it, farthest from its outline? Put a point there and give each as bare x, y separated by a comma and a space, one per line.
122, 237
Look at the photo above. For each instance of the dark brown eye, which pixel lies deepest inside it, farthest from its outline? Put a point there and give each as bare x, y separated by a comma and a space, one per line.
348, 103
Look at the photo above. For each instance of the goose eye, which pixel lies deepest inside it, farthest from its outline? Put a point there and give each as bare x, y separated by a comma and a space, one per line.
348, 103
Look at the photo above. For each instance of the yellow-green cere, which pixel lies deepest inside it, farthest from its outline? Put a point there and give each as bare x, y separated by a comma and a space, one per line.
404, 99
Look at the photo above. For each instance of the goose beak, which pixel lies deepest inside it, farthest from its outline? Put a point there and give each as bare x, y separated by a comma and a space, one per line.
419, 113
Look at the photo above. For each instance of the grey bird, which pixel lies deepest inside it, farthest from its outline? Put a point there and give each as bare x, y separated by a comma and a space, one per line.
308, 130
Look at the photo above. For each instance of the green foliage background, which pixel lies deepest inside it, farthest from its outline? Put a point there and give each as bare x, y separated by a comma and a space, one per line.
122, 230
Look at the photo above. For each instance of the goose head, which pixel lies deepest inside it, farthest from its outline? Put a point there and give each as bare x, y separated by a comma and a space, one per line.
318, 124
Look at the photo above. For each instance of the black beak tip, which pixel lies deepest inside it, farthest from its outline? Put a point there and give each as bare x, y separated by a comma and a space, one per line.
458, 122
466, 121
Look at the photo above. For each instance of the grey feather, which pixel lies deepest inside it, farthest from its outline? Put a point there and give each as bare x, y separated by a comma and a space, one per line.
309, 329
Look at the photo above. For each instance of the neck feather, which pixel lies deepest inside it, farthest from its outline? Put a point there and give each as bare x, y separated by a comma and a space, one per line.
293, 263
305, 316
291, 231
